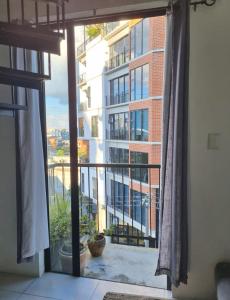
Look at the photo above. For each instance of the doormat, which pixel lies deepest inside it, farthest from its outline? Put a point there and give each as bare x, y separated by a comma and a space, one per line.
117, 296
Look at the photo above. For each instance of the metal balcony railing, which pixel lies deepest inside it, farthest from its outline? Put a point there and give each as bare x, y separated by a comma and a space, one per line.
82, 78
82, 106
82, 48
126, 207
117, 99
109, 27
117, 134
118, 60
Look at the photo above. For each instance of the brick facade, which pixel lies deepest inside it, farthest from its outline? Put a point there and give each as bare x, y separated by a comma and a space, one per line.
155, 59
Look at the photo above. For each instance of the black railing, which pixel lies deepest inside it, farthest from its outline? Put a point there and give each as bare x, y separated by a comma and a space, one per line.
109, 27
127, 208
117, 99
118, 60
82, 48
117, 134
82, 78
82, 106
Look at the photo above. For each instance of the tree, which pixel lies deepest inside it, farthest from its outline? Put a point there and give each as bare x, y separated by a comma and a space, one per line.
60, 152
93, 31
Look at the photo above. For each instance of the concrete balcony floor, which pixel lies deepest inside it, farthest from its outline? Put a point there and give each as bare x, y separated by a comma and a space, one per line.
65, 287
126, 264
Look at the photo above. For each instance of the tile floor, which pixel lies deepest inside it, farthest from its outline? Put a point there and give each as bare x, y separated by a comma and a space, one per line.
65, 287
119, 263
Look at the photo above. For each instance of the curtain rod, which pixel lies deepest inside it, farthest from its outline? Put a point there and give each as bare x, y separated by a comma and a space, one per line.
202, 2
144, 13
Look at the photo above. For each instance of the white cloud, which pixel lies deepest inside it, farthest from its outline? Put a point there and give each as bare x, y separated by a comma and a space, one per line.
58, 85
57, 122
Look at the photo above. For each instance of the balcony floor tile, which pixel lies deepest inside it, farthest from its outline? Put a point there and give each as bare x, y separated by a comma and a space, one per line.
126, 264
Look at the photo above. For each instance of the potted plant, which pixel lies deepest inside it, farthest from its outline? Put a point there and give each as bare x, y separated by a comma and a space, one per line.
60, 234
65, 252
96, 241
108, 232
66, 256
59, 226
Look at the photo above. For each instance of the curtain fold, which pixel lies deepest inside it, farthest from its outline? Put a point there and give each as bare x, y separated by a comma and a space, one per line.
173, 244
32, 223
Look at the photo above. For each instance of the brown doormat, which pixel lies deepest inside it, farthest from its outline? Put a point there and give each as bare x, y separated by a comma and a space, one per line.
117, 296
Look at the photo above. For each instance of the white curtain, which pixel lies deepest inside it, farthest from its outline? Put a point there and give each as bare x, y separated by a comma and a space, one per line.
33, 233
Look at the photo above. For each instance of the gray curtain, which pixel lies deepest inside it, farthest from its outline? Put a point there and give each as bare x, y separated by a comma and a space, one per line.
32, 223
173, 249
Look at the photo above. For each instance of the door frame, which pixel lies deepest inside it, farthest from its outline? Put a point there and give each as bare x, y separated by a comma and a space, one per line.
73, 126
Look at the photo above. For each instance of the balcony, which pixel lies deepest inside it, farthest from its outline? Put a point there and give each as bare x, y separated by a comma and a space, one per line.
82, 48
82, 79
117, 99
109, 27
117, 134
82, 106
132, 211
118, 60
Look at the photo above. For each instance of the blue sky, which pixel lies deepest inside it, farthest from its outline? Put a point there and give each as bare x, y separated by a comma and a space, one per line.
57, 92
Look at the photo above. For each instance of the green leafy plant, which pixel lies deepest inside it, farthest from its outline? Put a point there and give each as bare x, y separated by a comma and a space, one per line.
110, 231
60, 152
92, 231
60, 220
93, 31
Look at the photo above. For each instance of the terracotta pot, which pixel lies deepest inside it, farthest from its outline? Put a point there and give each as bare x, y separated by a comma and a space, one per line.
96, 248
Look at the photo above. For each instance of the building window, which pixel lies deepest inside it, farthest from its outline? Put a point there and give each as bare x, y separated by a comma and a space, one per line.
119, 196
94, 126
140, 82
139, 125
82, 182
140, 174
81, 131
138, 208
119, 52
140, 38
119, 126
119, 156
119, 90
94, 181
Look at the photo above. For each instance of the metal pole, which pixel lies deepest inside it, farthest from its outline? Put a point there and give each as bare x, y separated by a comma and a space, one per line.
44, 140
73, 149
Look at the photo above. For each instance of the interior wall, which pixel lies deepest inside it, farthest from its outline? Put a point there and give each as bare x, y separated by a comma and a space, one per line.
209, 106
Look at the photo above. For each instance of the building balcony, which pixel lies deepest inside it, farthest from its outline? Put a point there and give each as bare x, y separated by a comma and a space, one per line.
117, 134
82, 106
117, 99
110, 27
82, 79
118, 60
128, 211
81, 49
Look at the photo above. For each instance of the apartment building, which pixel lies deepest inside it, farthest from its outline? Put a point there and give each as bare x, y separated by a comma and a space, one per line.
120, 121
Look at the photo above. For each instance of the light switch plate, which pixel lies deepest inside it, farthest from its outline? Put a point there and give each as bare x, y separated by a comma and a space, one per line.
213, 141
